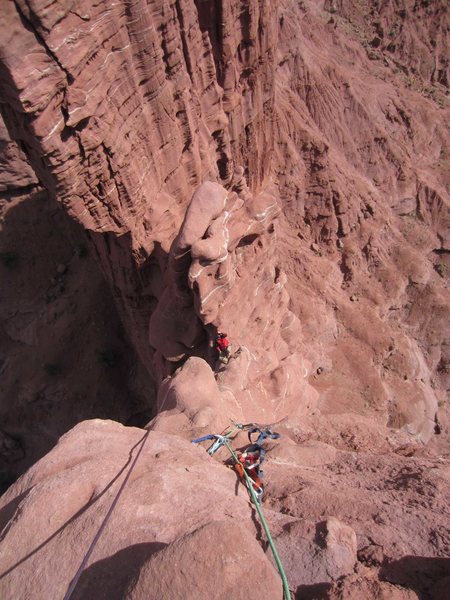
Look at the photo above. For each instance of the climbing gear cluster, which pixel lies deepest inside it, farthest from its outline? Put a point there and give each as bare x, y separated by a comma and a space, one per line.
247, 465
249, 460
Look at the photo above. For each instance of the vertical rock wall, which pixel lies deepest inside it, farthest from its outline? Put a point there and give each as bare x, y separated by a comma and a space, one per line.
124, 109
330, 111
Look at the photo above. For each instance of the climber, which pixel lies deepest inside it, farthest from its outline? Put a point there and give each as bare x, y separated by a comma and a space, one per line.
223, 347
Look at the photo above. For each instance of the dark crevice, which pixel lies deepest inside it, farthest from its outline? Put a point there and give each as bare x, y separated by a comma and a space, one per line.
27, 23
183, 40
437, 427
111, 172
222, 166
247, 240
82, 124
222, 160
210, 20
26, 190
340, 231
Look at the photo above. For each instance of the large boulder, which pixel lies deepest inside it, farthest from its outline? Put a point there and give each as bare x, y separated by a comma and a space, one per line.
314, 554
220, 560
50, 516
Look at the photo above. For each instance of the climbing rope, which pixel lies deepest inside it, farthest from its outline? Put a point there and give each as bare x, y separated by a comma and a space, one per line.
88, 554
219, 441
286, 591
265, 431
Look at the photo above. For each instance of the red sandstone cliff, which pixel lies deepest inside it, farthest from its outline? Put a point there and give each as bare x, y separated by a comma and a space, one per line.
319, 240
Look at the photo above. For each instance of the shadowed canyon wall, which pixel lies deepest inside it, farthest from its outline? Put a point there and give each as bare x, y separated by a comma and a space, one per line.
121, 113
324, 247
278, 170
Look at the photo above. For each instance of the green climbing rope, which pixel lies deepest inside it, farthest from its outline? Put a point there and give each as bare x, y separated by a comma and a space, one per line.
286, 591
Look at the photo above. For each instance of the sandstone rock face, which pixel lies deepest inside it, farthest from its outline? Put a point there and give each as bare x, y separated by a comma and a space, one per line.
64, 355
412, 35
223, 237
365, 587
277, 170
284, 108
130, 129
52, 513
213, 558
357, 160
340, 116
16, 173
317, 554
182, 508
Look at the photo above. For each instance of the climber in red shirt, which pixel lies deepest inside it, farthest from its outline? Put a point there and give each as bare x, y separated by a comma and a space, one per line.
222, 346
